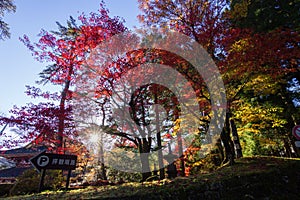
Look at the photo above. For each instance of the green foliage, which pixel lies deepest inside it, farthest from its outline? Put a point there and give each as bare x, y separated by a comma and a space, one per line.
261, 127
266, 15
28, 182
197, 163
4, 189
261, 116
250, 144
207, 164
116, 176
256, 117
258, 144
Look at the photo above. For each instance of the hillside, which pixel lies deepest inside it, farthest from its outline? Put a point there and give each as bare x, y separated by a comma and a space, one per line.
249, 178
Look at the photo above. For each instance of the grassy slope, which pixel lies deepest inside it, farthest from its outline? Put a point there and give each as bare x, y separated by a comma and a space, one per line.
250, 178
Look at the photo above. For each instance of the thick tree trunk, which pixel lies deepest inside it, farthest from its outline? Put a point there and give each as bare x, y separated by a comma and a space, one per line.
61, 117
229, 154
291, 139
220, 149
292, 121
103, 169
180, 152
227, 142
287, 148
101, 151
144, 149
236, 140
293, 146
160, 157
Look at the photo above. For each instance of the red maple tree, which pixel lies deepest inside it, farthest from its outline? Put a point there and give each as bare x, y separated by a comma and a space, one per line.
65, 50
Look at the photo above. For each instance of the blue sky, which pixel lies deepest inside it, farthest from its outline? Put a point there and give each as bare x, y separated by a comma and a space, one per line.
17, 66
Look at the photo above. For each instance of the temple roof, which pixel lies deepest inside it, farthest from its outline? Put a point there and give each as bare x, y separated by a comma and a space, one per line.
13, 172
21, 152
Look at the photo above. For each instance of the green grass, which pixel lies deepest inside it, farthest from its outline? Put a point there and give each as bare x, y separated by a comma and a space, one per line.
249, 178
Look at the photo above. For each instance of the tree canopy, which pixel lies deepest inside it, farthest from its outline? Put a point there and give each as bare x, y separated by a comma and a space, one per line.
255, 46
5, 6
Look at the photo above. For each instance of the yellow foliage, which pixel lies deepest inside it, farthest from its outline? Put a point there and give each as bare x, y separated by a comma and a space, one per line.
240, 45
240, 10
255, 117
263, 84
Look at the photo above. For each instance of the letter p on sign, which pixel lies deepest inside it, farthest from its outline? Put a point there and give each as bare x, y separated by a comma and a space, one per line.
43, 161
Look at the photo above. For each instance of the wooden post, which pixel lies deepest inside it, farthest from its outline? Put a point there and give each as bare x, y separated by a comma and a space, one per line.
41, 185
68, 179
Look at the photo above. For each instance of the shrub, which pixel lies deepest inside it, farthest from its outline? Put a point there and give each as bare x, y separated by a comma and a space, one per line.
4, 189
29, 181
116, 176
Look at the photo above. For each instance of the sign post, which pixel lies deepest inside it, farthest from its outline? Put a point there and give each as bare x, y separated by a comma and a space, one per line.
297, 144
41, 185
44, 161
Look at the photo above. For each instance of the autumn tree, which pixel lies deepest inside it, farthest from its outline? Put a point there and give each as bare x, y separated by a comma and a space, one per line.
65, 50
271, 21
141, 103
135, 136
243, 52
204, 22
111, 61
5, 6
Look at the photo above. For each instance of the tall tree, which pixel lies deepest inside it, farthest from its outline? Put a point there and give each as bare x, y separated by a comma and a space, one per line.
139, 133
240, 53
204, 22
5, 6
274, 21
65, 50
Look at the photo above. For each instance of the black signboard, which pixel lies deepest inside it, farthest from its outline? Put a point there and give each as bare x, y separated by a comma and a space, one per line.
45, 161
54, 161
